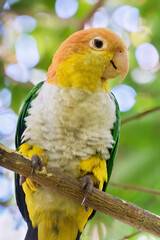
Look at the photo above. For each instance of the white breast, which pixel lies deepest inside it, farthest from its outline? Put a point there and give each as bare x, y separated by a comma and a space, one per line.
71, 125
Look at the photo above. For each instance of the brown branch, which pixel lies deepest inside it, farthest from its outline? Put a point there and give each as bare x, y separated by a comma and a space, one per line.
136, 188
140, 115
130, 236
119, 209
90, 14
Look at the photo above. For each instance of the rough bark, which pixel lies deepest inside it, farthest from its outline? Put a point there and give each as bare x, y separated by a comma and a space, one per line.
119, 209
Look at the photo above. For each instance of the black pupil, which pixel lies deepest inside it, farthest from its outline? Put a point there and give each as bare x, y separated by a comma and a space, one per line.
98, 43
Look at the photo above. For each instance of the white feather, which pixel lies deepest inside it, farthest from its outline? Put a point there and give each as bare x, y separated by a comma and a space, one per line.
70, 124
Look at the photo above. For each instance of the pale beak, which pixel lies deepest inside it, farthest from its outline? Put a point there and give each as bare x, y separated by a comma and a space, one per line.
118, 66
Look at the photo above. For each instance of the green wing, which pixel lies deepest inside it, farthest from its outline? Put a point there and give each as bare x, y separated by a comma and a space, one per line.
24, 113
20, 196
115, 134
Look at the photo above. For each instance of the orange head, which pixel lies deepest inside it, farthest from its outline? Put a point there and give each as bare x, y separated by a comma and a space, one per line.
87, 58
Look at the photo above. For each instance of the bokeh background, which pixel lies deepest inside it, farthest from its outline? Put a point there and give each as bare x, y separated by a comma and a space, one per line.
30, 33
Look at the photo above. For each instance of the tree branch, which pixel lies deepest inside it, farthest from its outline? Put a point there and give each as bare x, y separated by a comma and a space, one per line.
136, 188
87, 18
140, 115
130, 236
121, 210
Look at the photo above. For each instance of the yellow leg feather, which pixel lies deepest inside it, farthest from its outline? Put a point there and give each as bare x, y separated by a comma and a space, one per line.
54, 223
97, 168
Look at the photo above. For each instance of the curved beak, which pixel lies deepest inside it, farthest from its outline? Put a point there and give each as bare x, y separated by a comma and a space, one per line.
118, 66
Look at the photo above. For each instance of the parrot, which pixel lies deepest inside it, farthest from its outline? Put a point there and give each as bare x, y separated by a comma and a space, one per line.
71, 122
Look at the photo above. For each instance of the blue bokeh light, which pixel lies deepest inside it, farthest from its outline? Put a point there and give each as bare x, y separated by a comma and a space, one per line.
6, 6
24, 23
26, 51
5, 98
8, 121
9, 227
18, 72
100, 18
5, 189
2, 209
127, 17
16, 215
92, 2
66, 8
11, 2
125, 96
8, 140
3, 170
37, 76
142, 76
147, 56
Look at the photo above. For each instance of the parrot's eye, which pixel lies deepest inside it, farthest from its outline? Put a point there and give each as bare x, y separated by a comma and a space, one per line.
98, 43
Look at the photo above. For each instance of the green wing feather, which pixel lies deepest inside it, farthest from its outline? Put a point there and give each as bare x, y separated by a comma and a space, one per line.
115, 134
20, 196
24, 113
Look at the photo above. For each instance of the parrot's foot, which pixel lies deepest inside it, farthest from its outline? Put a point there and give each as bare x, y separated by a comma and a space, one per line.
22, 179
36, 161
87, 185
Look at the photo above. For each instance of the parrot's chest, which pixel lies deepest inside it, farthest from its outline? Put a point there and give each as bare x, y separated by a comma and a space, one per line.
71, 125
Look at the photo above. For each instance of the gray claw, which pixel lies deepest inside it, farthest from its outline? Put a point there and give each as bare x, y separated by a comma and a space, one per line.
36, 161
87, 185
22, 179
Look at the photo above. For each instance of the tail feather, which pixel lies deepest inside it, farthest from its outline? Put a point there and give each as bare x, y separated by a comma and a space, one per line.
64, 229
78, 235
32, 233
51, 233
47, 231
68, 228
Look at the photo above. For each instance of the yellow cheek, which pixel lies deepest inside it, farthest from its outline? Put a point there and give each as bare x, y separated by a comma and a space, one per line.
83, 70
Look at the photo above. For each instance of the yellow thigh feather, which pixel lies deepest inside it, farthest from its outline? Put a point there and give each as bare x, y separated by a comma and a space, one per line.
55, 224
